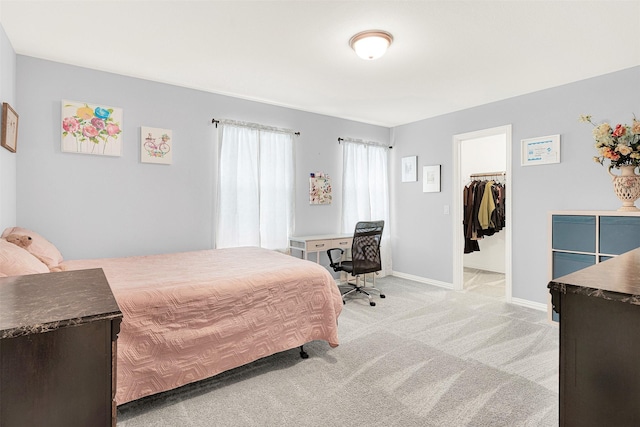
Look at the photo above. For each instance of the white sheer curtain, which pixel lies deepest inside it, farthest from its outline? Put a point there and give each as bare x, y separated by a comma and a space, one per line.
365, 192
256, 193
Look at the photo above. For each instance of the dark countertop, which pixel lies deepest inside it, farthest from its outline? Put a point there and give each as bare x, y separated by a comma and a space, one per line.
38, 303
617, 279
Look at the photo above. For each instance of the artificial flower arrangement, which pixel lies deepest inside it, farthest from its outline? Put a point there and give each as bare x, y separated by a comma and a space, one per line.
620, 145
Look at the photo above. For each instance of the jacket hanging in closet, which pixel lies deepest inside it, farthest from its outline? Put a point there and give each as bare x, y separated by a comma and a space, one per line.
484, 213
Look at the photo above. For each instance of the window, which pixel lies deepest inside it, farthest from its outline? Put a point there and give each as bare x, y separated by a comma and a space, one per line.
365, 193
256, 187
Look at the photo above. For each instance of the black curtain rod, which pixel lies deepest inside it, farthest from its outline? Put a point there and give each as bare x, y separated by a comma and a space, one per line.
215, 122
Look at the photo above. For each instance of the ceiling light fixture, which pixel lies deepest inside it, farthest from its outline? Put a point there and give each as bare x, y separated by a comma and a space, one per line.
371, 44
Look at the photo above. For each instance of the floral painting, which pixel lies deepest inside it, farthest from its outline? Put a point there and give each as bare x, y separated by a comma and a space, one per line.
155, 145
319, 189
91, 129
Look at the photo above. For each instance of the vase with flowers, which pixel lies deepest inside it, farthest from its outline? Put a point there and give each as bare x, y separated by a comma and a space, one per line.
620, 147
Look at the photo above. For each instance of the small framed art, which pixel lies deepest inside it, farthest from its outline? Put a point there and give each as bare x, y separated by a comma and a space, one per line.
319, 189
410, 169
155, 145
540, 151
9, 128
431, 179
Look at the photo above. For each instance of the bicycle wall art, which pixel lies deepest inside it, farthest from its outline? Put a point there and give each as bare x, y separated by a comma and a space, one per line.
155, 145
91, 129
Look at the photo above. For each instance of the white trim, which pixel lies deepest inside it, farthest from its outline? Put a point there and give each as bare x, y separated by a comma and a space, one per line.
515, 301
529, 304
422, 280
458, 185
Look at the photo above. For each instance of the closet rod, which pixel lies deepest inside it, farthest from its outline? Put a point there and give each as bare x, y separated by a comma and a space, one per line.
477, 175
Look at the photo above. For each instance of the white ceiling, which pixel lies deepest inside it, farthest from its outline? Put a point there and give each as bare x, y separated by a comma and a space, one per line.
446, 56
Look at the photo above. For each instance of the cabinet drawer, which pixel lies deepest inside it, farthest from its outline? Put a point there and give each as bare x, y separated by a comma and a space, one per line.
566, 263
619, 234
318, 245
343, 243
323, 245
574, 233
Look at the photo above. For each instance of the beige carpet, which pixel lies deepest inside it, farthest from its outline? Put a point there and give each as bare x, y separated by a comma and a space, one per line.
424, 356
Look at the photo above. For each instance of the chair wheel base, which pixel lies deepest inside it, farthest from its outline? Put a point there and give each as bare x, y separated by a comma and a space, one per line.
372, 304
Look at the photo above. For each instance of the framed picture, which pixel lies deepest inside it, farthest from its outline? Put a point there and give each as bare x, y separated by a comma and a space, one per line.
319, 189
431, 179
410, 169
91, 129
9, 128
540, 151
156, 145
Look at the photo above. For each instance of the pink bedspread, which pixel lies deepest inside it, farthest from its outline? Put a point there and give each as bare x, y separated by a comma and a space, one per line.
189, 316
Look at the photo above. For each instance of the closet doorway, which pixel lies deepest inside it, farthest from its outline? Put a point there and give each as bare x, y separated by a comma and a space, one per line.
483, 155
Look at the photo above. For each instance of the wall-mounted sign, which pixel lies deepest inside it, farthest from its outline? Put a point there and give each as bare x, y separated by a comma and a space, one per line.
540, 151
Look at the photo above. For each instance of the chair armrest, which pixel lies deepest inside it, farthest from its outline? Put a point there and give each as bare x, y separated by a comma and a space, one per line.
333, 263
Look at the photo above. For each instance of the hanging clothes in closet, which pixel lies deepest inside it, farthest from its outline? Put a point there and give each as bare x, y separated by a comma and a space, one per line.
484, 213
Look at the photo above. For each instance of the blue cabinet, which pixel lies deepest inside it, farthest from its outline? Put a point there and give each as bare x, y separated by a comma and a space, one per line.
574, 233
619, 234
580, 239
566, 263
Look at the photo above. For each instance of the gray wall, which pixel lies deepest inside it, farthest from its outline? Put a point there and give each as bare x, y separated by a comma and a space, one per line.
7, 158
92, 206
422, 239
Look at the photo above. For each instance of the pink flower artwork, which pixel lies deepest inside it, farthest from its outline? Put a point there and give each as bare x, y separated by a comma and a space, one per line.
91, 129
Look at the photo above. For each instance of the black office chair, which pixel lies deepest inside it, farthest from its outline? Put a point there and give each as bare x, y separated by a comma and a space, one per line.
365, 258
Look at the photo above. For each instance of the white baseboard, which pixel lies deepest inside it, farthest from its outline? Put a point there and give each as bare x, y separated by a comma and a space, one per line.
516, 301
422, 280
529, 304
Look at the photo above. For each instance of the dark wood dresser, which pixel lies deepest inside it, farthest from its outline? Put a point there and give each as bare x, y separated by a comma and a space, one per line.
599, 310
58, 353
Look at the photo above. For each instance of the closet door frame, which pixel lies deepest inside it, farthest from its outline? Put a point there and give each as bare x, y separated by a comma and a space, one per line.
458, 210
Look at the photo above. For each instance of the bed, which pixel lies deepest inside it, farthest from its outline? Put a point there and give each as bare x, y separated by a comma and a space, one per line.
189, 316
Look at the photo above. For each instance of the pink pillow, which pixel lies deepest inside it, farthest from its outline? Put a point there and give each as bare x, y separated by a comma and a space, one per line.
40, 247
15, 261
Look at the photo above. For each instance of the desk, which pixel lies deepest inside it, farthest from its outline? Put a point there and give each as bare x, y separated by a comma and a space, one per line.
319, 243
